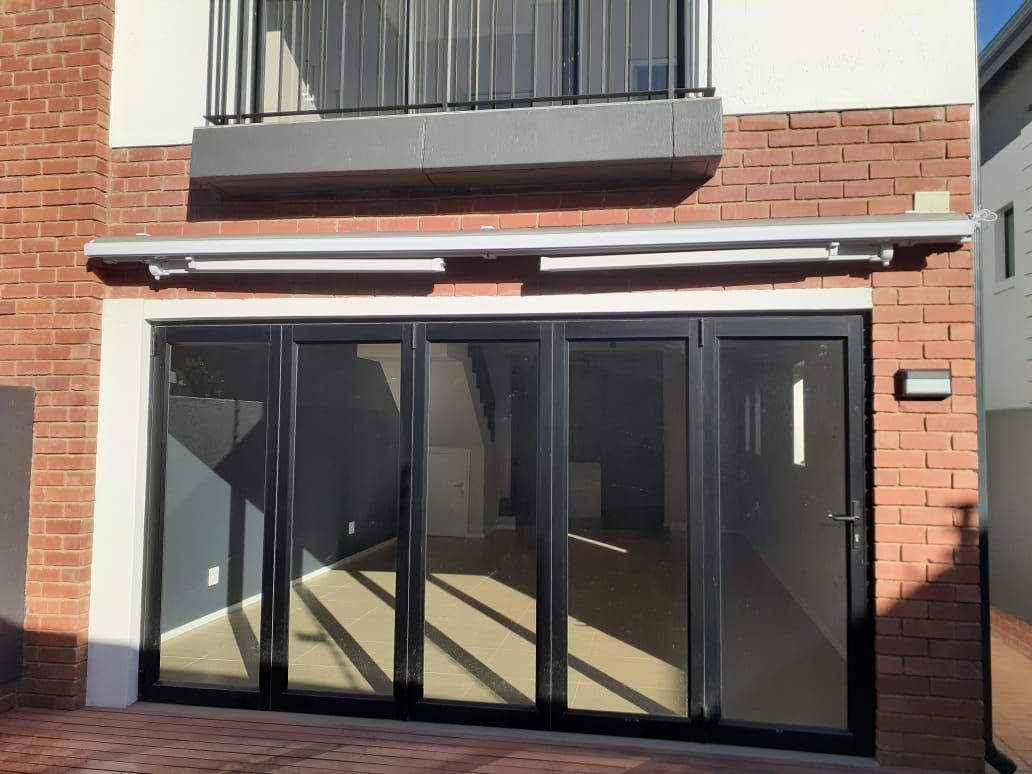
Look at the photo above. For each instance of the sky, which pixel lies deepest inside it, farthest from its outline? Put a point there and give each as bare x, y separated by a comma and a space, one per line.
992, 15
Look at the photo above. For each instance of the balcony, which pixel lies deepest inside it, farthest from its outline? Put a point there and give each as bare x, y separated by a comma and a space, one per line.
353, 94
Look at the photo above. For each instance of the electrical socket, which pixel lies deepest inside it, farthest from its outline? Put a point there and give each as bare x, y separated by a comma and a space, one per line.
213, 575
351, 528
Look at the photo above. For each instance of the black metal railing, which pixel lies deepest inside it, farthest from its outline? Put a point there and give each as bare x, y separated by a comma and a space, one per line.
277, 60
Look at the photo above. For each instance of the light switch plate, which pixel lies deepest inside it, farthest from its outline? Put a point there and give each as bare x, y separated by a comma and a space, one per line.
213, 575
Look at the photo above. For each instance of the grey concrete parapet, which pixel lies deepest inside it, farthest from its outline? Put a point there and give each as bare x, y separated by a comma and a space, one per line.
650, 140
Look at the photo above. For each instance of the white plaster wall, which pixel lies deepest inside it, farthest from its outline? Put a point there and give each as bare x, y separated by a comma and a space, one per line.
768, 56
119, 521
774, 56
159, 71
1007, 303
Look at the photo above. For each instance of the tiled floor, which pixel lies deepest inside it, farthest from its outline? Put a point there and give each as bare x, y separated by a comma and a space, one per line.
481, 618
1012, 703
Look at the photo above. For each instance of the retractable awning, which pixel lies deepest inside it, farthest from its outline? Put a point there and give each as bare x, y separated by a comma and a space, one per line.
863, 238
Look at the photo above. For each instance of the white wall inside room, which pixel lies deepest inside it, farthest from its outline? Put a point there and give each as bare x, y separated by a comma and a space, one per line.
768, 56
159, 71
1007, 303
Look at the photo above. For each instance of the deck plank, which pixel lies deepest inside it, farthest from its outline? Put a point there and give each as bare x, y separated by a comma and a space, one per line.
150, 738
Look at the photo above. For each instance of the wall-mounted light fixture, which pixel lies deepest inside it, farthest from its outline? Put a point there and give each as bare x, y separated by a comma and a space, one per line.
924, 383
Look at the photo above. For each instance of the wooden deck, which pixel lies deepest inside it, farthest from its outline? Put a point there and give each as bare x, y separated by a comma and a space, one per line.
160, 738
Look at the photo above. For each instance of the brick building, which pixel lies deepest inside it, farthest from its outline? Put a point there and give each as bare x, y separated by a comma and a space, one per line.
578, 389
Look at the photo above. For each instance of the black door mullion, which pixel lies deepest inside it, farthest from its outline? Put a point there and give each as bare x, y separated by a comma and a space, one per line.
272, 639
150, 650
410, 643
557, 436
708, 501
860, 650
697, 534
280, 569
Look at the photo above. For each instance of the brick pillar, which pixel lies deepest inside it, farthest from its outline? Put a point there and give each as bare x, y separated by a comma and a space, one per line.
928, 645
55, 67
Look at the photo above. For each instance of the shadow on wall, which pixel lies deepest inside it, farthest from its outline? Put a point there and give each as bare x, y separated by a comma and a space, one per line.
210, 205
928, 647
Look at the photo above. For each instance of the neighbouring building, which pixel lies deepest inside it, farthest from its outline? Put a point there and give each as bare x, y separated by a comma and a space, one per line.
1005, 90
597, 365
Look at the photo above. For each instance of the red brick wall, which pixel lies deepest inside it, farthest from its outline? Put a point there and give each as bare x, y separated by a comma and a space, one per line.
55, 59
815, 164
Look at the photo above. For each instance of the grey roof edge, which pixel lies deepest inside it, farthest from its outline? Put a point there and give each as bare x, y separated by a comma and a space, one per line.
1011, 37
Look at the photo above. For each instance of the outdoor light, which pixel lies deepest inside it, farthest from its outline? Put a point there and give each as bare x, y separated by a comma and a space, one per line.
924, 384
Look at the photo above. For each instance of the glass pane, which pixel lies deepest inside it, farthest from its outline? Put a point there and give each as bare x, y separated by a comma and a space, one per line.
345, 518
628, 512
331, 54
214, 514
782, 436
481, 523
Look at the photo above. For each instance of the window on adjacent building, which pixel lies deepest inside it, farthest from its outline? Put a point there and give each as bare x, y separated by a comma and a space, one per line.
1007, 216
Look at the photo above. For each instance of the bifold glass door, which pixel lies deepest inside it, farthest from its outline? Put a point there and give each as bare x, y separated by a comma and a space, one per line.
634, 526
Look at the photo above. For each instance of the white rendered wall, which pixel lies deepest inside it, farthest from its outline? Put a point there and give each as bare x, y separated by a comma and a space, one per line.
159, 71
1007, 303
117, 572
779, 56
768, 56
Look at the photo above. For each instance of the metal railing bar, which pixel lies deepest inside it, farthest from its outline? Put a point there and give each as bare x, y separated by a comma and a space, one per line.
321, 97
534, 48
213, 60
627, 45
564, 98
223, 63
298, 33
344, 47
381, 53
493, 70
512, 52
449, 46
258, 57
671, 46
651, 54
239, 80
709, 45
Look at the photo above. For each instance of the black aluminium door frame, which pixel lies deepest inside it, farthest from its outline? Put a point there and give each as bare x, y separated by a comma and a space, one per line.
684, 329
151, 687
859, 739
280, 697
539, 715
701, 335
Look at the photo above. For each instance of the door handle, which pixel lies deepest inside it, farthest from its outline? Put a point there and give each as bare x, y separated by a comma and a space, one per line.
843, 517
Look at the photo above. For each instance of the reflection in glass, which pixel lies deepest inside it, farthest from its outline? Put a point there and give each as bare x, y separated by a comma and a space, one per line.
783, 565
345, 518
481, 523
214, 505
628, 514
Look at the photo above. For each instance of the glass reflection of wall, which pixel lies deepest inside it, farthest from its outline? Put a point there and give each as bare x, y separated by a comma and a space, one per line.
628, 603
481, 523
214, 503
782, 470
345, 518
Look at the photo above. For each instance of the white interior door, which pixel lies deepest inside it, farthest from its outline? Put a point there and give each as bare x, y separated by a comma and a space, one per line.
448, 492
